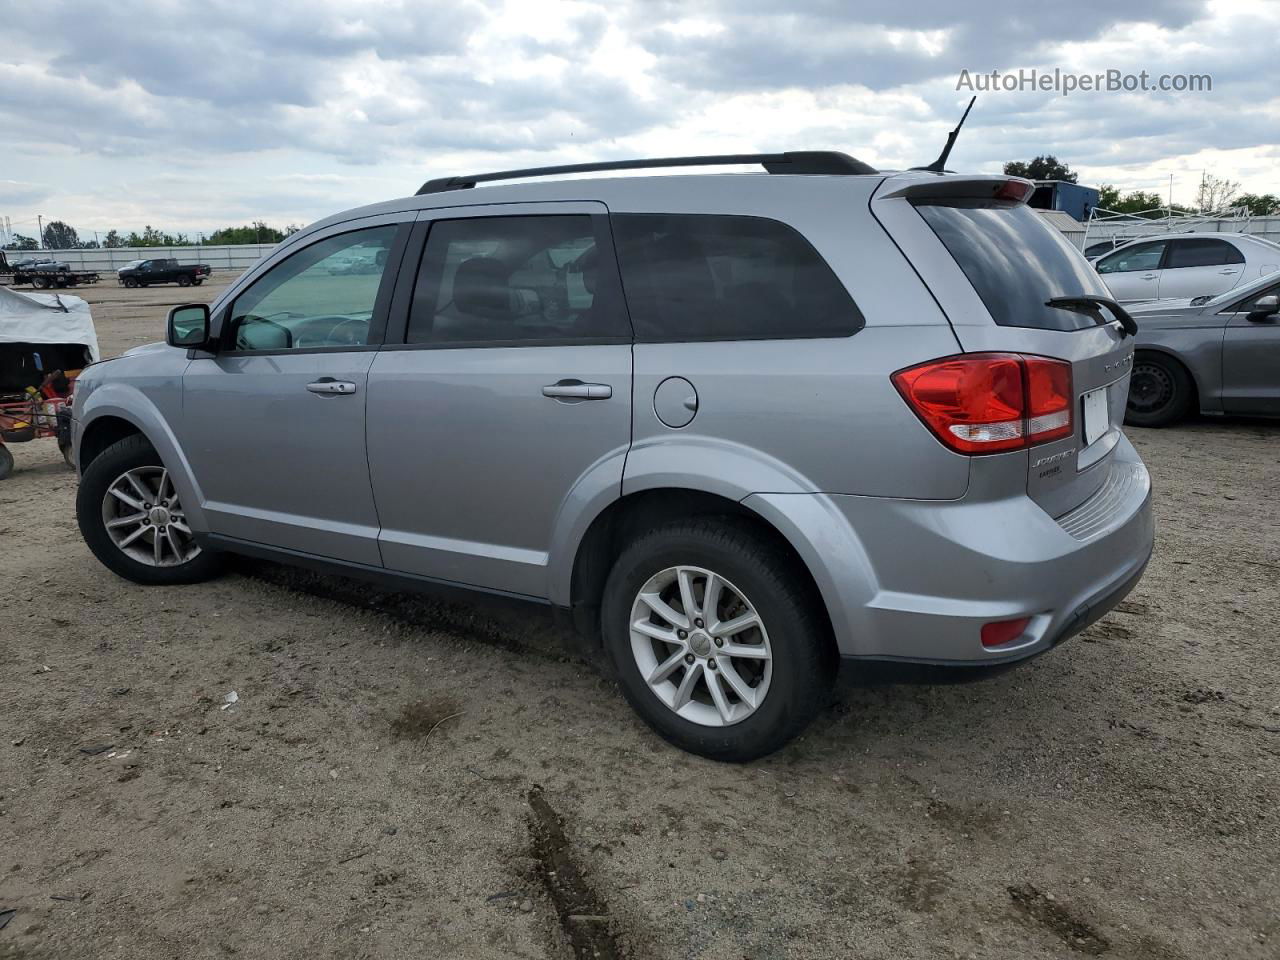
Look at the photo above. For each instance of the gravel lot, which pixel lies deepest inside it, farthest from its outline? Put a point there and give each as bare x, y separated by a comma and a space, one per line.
400, 777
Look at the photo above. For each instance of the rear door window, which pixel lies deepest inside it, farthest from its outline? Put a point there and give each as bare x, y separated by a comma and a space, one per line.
705, 277
516, 280
1202, 253
1015, 261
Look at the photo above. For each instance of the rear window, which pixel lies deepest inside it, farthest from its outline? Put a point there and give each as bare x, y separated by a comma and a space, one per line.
710, 277
1015, 261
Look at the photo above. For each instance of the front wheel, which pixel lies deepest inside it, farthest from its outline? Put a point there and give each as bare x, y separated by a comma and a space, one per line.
130, 282
1160, 391
198, 280
131, 518
6, 461
717, 643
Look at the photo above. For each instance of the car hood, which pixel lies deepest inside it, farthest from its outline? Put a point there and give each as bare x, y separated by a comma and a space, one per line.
146, 348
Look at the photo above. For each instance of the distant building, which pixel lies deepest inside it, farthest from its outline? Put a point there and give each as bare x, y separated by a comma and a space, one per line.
1070, 198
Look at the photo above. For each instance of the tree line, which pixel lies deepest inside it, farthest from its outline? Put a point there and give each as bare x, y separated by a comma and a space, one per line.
59, 235
1214, 194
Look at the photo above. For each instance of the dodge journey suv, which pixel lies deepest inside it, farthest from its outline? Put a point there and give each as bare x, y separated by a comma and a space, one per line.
737, 426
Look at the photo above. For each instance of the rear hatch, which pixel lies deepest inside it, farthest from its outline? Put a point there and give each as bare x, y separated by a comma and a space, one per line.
993, 264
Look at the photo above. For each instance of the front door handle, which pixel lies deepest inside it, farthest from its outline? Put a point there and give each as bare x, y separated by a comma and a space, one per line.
1229, 272
1148, 276
329, 387
575, 390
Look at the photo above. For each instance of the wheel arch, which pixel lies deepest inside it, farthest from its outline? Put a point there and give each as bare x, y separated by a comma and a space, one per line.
115, 411
626, 517
100, 434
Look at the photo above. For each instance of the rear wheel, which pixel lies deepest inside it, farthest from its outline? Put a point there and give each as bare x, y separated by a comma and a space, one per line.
716, 643
1160, 391
40, 283
131, 518
6, 461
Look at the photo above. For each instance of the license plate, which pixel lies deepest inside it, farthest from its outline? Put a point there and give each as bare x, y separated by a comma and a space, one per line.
1097, 415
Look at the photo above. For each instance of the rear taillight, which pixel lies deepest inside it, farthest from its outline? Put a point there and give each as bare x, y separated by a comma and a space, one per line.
990, 402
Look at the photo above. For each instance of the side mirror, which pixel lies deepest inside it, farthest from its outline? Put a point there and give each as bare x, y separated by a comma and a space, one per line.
1264, 308
188, 326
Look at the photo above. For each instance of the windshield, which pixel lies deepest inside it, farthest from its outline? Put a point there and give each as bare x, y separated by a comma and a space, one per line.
132, 263
1015, 261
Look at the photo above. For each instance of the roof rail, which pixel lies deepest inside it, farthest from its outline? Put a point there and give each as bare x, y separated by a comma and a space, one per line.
803, 162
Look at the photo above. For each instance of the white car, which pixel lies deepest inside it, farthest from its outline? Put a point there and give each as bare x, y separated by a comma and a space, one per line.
1186, 265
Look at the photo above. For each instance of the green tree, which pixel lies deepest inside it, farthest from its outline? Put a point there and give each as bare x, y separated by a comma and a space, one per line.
19, 242
151, 237
60, 236
112, 240
1259, 205
256, 232
1041, 168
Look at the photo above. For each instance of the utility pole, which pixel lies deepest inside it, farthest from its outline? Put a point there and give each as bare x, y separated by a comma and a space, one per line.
39, 232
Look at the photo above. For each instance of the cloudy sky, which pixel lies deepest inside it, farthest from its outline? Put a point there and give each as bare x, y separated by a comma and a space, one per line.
194, 116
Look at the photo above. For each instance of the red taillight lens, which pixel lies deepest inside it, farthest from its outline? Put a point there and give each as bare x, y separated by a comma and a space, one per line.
1002, 631
1048, 399
990, 402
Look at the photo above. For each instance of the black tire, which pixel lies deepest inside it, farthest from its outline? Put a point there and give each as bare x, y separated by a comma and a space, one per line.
65, 450
184, 281
40, 283
130, 282
6, 461
122, 456
198, 280
1160, 391
804, 663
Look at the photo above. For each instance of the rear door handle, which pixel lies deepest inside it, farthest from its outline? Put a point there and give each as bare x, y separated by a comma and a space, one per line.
574, 390
329, 387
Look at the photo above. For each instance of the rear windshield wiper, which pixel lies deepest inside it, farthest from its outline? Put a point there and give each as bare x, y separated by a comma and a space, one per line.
1085, 303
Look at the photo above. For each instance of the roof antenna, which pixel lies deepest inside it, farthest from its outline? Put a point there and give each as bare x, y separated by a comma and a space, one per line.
939, 165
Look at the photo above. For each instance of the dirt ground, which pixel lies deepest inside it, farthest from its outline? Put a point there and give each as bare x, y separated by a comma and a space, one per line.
398, 777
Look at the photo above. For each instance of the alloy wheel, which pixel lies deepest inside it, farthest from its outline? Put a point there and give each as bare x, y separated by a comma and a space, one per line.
145, 521
701, 646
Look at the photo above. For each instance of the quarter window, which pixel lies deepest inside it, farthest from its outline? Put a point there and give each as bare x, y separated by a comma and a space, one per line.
1202, 253
541, 279
706, 277
322, 296
1141, 256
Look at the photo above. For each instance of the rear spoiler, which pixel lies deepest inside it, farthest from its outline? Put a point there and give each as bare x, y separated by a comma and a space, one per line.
925, 188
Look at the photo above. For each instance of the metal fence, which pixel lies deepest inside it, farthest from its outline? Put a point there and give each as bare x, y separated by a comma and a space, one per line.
230, 257
1268, 228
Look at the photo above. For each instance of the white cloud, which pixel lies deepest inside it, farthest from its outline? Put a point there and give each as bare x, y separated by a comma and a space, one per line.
127, 115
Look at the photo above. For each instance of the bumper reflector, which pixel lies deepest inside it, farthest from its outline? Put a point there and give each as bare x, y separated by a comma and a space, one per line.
1000, 632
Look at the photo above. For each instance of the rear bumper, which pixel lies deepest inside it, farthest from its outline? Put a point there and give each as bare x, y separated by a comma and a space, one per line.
916, 580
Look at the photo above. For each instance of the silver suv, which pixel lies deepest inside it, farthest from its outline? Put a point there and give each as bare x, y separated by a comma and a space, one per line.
738, 426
